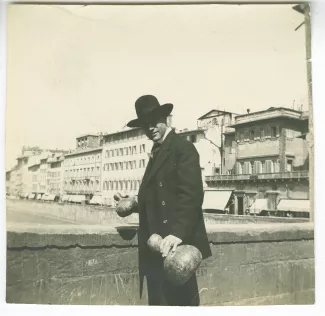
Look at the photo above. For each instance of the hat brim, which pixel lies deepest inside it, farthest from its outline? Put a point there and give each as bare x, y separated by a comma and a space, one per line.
163, 110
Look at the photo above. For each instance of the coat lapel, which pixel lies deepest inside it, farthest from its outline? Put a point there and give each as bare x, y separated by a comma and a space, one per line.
159, 160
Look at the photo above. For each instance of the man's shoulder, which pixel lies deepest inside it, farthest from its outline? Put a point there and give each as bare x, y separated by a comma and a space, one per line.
181, 143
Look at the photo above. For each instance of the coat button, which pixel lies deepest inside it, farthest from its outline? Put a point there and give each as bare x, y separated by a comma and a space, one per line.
160, 184
165, 221
163, 203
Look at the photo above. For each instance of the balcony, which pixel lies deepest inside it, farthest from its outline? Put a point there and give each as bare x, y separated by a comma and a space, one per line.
295, 175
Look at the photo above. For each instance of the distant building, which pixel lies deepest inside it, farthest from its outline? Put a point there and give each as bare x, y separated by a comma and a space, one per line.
210, 160
14, 181
125, 157
8, 182
55, 175
31, 170
34, 169
82, 169
266, 160
214, 124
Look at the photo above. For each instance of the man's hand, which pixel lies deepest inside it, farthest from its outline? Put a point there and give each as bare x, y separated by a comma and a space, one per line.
169, 242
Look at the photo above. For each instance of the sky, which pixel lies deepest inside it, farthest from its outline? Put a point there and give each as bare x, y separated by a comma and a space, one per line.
73, 70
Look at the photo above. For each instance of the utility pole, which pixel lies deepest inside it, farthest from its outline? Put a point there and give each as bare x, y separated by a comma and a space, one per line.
304, 8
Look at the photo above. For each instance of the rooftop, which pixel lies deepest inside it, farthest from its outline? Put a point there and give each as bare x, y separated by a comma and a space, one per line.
270, 113
84, 135
122, 131
82, 151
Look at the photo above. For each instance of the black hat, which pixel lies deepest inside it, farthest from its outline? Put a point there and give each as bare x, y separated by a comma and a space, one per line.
147, 107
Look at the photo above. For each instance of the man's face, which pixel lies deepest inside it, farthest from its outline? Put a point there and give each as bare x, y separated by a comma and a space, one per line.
155, 129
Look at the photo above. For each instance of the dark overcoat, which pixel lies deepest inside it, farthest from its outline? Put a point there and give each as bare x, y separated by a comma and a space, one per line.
170, 198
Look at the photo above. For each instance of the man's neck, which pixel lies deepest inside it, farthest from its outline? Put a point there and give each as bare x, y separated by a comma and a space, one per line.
168, 130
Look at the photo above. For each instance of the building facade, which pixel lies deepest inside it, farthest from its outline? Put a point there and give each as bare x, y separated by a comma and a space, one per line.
267, 160
82, 168
125, 157
8, 182
55, 175
14, 183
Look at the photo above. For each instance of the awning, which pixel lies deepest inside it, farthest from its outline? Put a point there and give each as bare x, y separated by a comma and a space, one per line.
216, 199
258, 206
39, 196
44, 197
31, 196
65, 198
80, 198
51, 197
294, 205
97, 199
25, 195
77, 198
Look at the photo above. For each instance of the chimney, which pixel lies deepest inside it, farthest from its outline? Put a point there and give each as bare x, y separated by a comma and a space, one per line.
248, 111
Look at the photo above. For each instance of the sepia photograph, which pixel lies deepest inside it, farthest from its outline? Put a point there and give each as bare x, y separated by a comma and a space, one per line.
159, 155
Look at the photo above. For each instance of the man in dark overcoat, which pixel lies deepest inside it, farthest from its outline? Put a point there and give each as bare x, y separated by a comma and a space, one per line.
169, 203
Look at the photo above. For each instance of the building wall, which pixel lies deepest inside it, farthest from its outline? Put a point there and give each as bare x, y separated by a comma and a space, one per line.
123, 165
264, 142
43, 184
14, 185
230, 153
35, 173
87, 141
54, 175
82, 172
216, 119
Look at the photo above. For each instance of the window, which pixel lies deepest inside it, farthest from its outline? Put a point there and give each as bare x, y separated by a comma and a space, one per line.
289, 133
121, 151
258, 168
116, 166
241, 136
142, 148
251, 135
273, 131
269, 167
247, 167
246, 136
121, 165
289, 165
239, 169
277, 166
126, 150
262, 133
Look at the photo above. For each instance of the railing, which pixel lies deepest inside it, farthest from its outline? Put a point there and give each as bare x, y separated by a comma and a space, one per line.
81, 191
261, 176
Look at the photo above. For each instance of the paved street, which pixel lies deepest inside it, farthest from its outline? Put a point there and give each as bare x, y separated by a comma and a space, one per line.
15, 215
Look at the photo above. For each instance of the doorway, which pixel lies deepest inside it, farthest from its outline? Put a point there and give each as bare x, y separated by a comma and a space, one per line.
240, 201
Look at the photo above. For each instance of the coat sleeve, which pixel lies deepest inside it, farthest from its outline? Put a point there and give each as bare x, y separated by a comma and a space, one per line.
189, 192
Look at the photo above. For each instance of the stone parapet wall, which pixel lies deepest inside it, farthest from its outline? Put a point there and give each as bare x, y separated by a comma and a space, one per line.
252, 264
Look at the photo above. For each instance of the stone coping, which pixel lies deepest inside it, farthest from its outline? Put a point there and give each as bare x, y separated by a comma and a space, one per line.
34, 236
